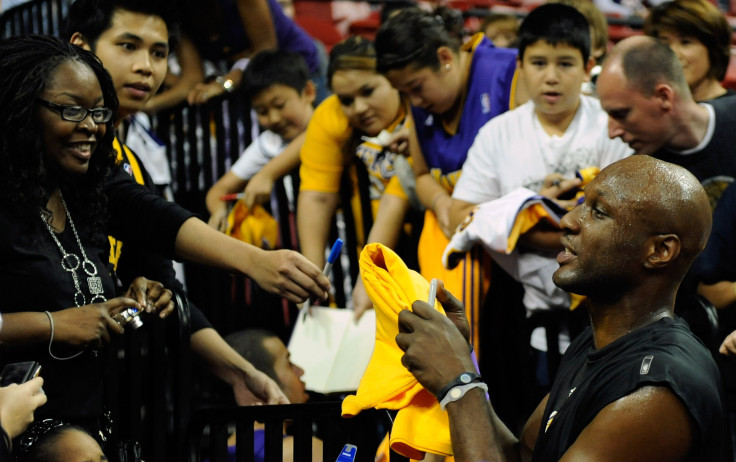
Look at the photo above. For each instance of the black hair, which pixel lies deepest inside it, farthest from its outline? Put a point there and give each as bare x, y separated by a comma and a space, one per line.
249, 344
275, 67
92, 18
598, 25
37, 443
453, 21
26, 65
388, 9
555, 23
412, 37
353, 53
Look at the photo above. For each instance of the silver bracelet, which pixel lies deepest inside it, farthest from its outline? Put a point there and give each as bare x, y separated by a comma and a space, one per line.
51, 339
459, 391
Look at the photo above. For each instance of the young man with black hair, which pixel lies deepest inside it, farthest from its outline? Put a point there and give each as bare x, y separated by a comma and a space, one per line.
269, 354
534, 150
132, 39
280, 92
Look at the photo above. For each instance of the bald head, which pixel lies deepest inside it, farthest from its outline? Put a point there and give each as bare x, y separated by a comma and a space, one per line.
636, 233
643, 90
646, 62
663, 199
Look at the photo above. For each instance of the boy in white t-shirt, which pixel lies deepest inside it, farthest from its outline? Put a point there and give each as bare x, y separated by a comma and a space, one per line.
536, 150
282, 96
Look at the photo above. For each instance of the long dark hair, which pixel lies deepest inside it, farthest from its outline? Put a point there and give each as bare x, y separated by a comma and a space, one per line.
26, 65
412, 37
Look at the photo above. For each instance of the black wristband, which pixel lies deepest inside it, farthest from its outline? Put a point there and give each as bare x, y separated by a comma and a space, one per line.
462, 379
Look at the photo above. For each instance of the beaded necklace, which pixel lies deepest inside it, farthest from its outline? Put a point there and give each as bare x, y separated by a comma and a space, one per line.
70, 262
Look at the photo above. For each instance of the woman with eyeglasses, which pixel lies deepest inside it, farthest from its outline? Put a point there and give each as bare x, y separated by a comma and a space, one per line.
59, 302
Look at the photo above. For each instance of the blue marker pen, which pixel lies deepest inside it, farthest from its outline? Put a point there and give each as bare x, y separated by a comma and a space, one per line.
334, 253
348, 453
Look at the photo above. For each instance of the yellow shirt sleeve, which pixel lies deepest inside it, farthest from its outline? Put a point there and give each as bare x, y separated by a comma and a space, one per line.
322, 157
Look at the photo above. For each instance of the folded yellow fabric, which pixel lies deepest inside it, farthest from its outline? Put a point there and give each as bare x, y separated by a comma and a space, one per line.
256, 227
420, 425
527, 219
383, 454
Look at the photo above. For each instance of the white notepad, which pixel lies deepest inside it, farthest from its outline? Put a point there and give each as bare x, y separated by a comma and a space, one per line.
332, 349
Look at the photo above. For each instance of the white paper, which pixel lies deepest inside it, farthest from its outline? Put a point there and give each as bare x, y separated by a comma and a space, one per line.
332, 349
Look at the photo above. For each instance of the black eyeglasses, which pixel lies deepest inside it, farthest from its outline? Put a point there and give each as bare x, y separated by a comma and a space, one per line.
100, 115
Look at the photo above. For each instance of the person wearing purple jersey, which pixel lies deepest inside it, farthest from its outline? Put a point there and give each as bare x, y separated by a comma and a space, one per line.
454, 91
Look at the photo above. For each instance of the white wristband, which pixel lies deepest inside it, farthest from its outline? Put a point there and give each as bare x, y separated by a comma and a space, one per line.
459, 391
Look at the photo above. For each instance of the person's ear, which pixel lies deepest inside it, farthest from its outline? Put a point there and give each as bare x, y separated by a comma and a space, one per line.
310, 91
666, 95
79, 40
662, 250
446, 58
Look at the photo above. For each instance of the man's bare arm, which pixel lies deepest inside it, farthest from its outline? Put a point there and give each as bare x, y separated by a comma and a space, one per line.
472, 419
649, 425
436, 352
531, 430
477, 433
